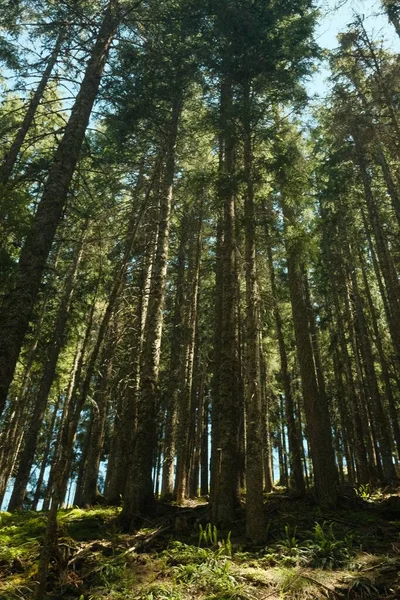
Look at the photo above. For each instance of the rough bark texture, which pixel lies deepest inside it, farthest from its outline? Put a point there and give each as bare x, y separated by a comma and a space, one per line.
296, 469
90, 493
255, 518
176, 359
55, 347
225, 497
185, 404
18, 304
317, 414
138, 497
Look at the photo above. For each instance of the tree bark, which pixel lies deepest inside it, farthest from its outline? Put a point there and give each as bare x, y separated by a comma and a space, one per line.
255, 518
226, 493
296, 469
11, 155
46, 454
55, 347
175, 367
189, 337
317, 414
19, 302
138, 497
90, 492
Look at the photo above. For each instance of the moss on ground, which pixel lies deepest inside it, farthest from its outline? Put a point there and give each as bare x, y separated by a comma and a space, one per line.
352, 553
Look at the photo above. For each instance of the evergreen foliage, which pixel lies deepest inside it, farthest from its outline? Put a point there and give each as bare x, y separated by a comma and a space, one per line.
200, 292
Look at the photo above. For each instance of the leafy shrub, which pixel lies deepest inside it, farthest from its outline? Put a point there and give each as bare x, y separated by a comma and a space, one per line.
362, 588
324, 550
159, 592
179, 553
209, 536
288, 545
364, 491
213, 575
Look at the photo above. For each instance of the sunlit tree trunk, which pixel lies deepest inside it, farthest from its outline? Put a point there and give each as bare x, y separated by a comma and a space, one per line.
175, 366
226, 493
46, 454
55, 347
255, 519
18, 305
138, 497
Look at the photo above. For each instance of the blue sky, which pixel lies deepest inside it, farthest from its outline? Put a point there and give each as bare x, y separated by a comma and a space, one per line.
335, 16
334, 20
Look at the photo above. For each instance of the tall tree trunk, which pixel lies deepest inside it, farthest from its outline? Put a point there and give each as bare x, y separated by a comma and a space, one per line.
385, 260
390, 184
267, 458
18, 408
12, 438
296, 469
344, 418
138, 497
189, 337
11, 155
125, 423
175, 366
18, 305
255, 518
216, 409
55, 347
74, 380
90, 492
382, 358
46, 454
200, 403
362, 426
394, 327
378, 411
316, 409
226, 493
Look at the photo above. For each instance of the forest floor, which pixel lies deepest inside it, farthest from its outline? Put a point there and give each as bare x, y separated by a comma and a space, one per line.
352, 553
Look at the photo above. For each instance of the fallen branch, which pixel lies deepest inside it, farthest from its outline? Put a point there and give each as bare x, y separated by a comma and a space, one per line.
322, 585
147, 541
144, 543
285, 587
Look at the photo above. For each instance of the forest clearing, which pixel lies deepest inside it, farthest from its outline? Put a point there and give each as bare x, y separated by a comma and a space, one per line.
199, 299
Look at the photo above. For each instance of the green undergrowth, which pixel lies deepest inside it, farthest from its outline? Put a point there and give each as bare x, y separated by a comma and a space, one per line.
87, 524
20, 534
352, 553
